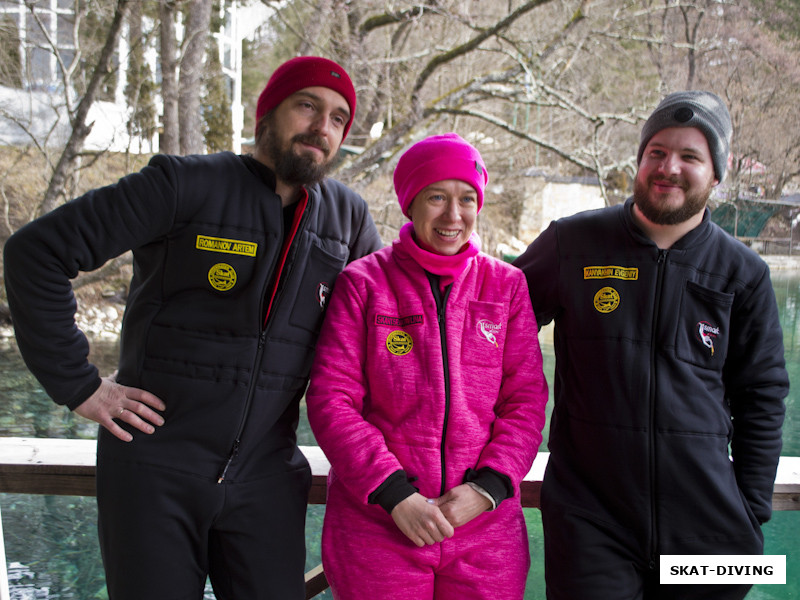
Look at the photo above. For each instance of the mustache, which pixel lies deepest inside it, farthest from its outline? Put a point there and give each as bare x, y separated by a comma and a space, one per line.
672, 180
313, 140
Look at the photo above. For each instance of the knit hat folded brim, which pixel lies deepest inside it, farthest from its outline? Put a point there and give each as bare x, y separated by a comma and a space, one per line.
438, 158
303, 72
695, 108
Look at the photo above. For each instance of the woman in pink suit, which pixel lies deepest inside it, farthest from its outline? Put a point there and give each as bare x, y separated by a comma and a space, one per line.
427, 396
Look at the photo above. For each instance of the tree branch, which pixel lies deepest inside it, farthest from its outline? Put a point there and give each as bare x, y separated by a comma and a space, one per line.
501, 124
465, 48
80, 130
392, 18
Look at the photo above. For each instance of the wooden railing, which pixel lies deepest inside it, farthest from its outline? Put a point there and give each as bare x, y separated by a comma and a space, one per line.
67, 467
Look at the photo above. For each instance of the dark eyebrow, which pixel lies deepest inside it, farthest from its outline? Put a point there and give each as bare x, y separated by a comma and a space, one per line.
316, 98
692, 150
682, 150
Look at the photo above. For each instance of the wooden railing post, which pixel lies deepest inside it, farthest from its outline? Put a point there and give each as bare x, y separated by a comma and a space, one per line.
316, 582
5, 594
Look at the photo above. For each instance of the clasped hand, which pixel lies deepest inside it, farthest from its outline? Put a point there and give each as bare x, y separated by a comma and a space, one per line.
427, 521
112, 402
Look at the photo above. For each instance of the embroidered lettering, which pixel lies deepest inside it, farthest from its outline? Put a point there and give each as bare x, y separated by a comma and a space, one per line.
611, 272
213, 244
398, 321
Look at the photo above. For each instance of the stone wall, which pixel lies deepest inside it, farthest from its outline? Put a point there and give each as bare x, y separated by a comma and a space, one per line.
548, 198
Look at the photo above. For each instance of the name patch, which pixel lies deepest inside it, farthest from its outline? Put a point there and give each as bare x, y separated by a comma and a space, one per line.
611, 272
398, 321
214, 244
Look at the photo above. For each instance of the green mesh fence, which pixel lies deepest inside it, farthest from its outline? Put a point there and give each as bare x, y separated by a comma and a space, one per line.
746, 219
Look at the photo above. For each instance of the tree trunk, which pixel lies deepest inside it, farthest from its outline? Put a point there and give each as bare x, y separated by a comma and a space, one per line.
191, 76
168, 140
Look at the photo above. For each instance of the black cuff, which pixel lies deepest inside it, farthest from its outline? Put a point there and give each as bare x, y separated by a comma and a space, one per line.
393, 491
496, 484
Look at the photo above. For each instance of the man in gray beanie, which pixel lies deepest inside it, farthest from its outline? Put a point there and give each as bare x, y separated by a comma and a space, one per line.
668, 353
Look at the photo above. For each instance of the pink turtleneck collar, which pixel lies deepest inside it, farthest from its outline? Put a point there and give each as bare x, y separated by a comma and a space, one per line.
447, 267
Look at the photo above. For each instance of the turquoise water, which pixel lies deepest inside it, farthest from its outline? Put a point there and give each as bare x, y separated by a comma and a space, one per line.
51, 545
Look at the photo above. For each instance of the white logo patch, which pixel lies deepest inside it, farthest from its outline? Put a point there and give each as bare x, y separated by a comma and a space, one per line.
487, 329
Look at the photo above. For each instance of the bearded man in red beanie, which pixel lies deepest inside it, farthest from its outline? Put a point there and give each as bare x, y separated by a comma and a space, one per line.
234, 258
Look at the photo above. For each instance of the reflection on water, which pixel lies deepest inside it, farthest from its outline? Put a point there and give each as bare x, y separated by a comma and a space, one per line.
51, 544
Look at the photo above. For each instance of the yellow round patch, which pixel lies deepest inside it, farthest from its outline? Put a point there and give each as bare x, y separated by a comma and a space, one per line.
606, 300
222, 277
399, 343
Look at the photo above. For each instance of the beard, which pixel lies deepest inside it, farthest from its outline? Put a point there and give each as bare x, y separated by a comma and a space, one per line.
661, 213
296, 167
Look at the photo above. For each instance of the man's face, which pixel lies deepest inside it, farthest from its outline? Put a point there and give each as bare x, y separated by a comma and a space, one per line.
302, 135
675, 176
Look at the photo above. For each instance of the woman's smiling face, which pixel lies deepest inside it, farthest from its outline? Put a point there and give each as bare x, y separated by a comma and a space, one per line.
444, 215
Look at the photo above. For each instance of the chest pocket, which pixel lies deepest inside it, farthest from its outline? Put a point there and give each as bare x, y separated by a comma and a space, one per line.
703, 330
484, 336
313, 293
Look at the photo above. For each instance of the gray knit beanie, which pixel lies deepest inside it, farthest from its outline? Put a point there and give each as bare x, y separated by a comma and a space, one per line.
699, 109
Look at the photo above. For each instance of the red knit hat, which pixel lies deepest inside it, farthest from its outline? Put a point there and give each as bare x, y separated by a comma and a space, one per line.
302, 72
437, 158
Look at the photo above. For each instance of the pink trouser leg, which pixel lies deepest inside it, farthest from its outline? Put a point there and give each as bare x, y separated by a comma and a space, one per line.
366, 556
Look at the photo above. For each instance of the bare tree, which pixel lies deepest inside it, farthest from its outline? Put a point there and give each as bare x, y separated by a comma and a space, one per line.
191, 76
140, 85
554, 85
168, 44
80, 128
558, 87
761, 83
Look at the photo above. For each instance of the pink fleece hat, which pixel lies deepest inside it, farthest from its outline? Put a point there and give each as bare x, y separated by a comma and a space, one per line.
436, 158
302, 72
